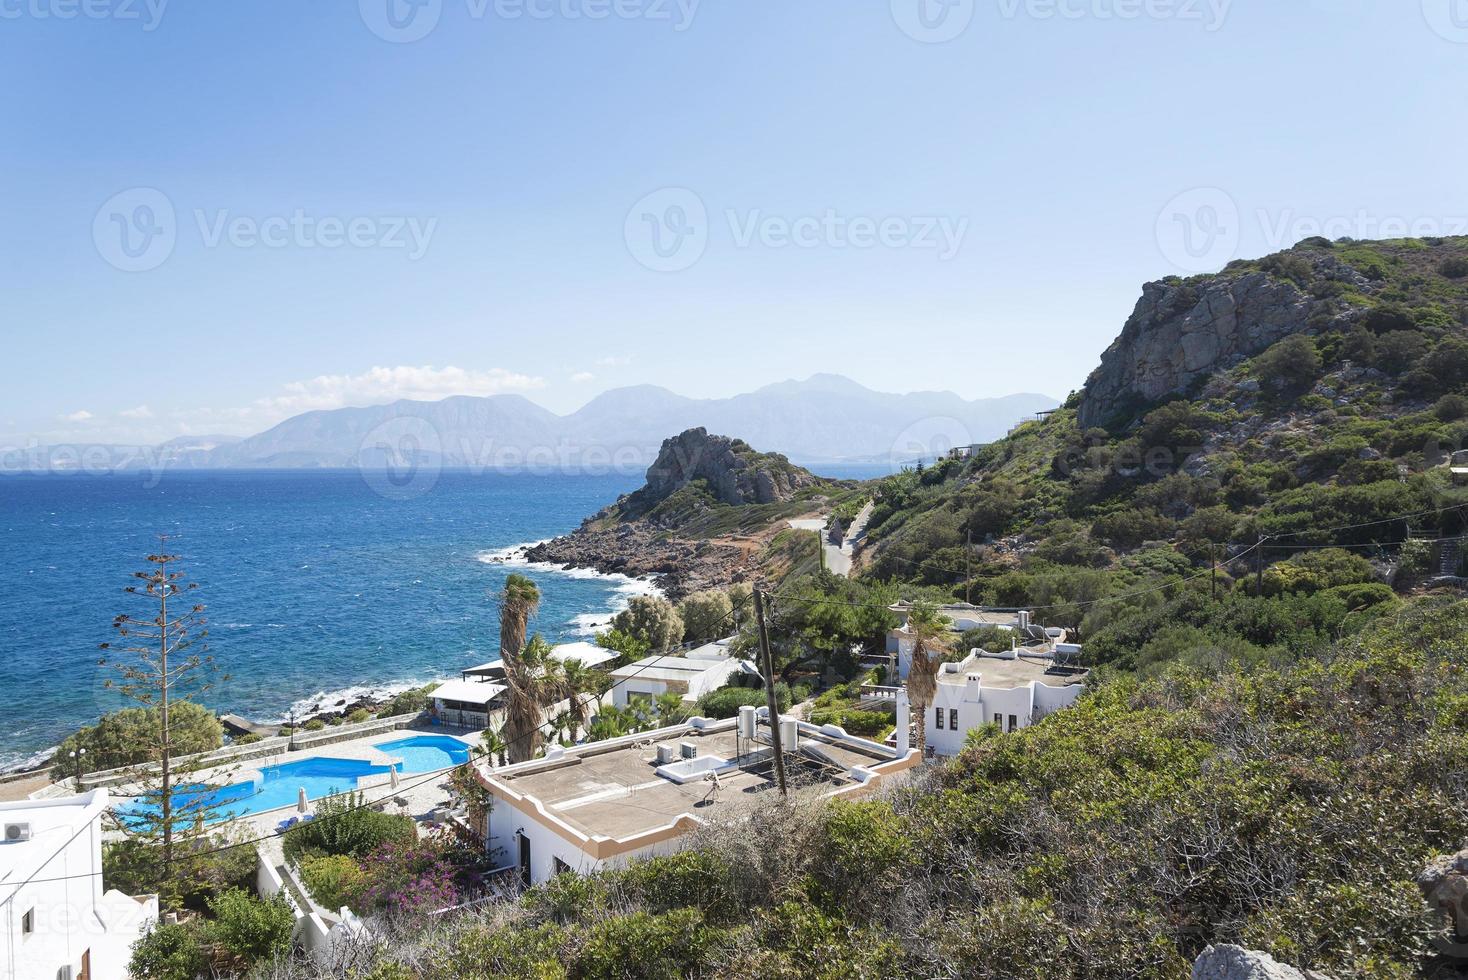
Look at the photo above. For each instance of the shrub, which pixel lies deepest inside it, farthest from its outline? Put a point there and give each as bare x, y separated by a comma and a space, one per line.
667, 947
1399, 350
252, 929
1450, 408
344, 825
130, 736
249, 738
358, 716
1292, 363
413, 877
1317, 570
652, 620
408, 702
314, 725
726, 701
1454, 268
706, 616
335, 880
170, 952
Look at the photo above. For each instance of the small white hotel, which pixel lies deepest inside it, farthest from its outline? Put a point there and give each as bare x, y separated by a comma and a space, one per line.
56, 920
1011, 690
603, 804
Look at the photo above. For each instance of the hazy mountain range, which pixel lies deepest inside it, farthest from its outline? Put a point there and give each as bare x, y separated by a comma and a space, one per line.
825, 418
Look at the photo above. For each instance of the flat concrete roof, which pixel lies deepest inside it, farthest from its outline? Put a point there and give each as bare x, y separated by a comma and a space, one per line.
617, 793
997, 672
665, 668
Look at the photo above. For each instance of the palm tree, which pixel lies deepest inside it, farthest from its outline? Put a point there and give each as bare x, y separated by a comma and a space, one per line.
494, 745
519, 602
533, 680
669, 708
580, 684
930, 636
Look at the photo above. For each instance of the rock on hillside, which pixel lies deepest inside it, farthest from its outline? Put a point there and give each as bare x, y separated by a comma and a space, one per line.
1183, 331
734, 473
709, 506
1225, 962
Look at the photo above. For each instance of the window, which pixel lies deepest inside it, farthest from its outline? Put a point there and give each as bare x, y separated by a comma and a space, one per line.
561, 867
938, 717
1013, 722
953, 719
28, 922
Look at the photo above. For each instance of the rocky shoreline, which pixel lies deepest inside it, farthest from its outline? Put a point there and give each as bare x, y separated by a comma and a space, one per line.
678, 568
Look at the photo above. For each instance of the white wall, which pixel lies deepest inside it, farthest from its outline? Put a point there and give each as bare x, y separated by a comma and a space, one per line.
1027, 703
506, 821
63, 889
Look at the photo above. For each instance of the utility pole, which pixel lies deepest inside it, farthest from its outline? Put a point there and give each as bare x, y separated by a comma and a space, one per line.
767, 667
968, 578
1259, 566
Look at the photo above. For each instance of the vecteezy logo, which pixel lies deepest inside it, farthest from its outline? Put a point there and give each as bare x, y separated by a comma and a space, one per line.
933, 21
401, 21
930, 440
401, 458
668, 230
1199, 230
136, 230
1448, 18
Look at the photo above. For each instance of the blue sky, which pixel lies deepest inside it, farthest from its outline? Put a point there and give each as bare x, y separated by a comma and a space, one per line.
705, 195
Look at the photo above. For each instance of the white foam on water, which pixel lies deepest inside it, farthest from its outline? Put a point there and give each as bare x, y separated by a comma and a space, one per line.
585, 624
324, 701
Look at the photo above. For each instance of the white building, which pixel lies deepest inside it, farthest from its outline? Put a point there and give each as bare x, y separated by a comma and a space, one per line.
1012, 690
962, 618
56, 920
686, 676
603, 804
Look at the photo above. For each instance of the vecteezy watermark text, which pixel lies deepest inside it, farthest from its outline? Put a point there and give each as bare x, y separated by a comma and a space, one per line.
149, 13
406, 21
669, 230
1203, 229
138, 229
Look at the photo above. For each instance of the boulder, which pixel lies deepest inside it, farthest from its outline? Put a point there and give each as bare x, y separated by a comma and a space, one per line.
1226, 962
1444, 884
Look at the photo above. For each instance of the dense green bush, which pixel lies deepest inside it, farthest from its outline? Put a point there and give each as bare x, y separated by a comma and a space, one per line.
411, 702
334, 880
251, 929
726, 701
170, 952
130, 736
345, 825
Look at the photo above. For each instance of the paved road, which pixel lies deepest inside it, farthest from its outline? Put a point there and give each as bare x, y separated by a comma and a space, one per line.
838, 559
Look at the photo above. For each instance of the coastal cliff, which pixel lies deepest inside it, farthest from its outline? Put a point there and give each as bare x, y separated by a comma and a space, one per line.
708, 516
1184, 331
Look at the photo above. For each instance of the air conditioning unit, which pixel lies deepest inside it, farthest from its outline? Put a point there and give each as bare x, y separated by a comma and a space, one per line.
689, 750
17, 832
667, 752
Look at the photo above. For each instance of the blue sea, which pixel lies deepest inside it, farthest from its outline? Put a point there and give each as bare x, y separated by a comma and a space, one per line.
317, 585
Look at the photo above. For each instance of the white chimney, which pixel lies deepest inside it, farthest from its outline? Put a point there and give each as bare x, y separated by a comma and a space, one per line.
904, 722
971, 687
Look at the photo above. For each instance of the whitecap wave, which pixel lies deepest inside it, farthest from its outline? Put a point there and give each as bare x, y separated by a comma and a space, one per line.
624, 587
324, 701
15, 762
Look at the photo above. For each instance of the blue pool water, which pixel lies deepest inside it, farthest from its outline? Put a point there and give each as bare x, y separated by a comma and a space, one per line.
427, 753
279, 786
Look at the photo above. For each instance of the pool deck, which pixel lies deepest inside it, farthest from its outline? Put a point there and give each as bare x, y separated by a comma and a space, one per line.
417, 795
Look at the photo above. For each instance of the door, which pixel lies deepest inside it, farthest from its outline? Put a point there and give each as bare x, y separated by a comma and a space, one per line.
86, 973
524, 860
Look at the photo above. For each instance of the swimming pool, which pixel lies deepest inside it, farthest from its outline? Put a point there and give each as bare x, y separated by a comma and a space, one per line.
278, 786
427, 753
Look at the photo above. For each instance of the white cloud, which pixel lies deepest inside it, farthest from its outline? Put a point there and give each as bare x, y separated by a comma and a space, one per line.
79, 416
388, 384
141, 412
581, 377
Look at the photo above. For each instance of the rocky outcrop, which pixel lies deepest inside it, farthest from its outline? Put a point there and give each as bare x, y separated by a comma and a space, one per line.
1179, 333
734, 473
1225, 962
1444, 883
1184, 331
637, 537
